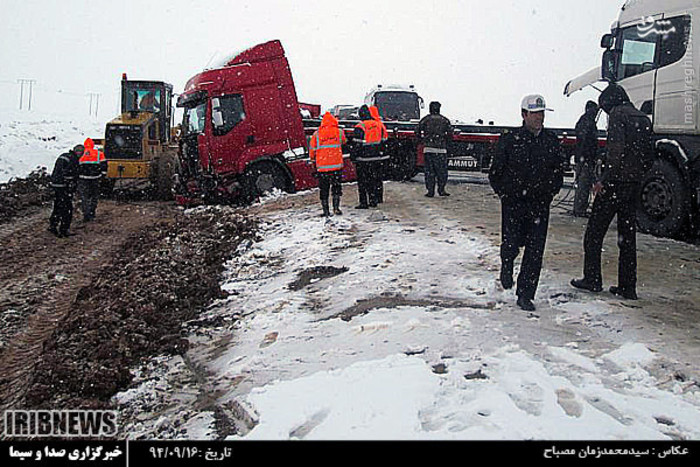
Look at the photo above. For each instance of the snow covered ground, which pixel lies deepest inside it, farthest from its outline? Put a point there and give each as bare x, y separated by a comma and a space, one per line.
31, 140
368, 327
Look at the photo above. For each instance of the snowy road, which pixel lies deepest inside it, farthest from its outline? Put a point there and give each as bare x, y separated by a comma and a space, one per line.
390, 324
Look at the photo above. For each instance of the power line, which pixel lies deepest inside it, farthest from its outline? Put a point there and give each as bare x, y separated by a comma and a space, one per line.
30, 83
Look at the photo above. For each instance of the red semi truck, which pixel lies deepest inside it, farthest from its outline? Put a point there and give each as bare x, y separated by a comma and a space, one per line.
243, 133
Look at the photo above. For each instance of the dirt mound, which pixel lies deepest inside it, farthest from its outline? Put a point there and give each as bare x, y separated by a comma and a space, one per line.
160, 278
20, 194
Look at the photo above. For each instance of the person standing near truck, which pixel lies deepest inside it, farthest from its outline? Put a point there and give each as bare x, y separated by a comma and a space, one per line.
586, 152
629, 154
63, 182
526, 173
435, 132
326, 153
367, 156
383, 165
92, 167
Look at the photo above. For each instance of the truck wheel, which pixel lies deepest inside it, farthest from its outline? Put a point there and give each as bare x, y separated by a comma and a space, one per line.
664, 201
263, 178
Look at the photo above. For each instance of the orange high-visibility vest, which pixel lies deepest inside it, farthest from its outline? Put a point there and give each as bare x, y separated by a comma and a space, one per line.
326, 145
373, 132
91, 160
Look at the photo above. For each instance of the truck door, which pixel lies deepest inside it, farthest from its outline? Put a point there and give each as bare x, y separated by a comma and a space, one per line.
231, 132
676, 100
269, 126
638, 59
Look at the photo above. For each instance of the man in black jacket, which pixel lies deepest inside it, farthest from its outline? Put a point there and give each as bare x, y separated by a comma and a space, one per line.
586, 152
629, 152
526, 173
63, 182
435, 132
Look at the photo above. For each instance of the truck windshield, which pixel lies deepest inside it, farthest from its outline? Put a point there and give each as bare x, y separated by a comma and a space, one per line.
397, 105
195, 118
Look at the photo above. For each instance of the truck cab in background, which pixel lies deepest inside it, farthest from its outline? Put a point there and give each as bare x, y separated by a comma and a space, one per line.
396, 102
649, 52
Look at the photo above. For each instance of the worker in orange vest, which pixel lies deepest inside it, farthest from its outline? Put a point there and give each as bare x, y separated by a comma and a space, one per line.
367, 156
326, 153
383, 165
92, 166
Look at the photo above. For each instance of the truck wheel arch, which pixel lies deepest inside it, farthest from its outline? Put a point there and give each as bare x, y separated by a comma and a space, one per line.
276, 174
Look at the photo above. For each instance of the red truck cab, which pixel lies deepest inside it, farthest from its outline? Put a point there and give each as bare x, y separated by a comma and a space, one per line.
243, 133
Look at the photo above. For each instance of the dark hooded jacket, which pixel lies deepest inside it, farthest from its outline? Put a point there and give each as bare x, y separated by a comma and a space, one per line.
527, 167
434, 130
65, 171
587, 135
629, 146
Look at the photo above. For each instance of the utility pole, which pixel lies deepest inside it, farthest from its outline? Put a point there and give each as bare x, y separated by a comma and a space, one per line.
30, 83
96, 97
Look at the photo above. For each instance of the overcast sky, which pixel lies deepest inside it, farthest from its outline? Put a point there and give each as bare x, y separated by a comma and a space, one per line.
477, 57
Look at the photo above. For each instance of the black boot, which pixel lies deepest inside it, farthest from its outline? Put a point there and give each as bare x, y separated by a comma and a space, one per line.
585, 284
629, 294
507, 275
336, 206
326, 210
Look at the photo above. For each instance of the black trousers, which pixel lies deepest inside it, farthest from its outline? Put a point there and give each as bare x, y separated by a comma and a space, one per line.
89, 193
524, 223
62, 213
585, 177
435, 170
615, 200
370, 186
330, 182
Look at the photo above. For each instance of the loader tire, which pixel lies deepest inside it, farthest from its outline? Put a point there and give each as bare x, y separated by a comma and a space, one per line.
166, 168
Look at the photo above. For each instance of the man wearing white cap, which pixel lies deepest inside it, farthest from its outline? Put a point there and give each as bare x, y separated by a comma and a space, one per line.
526, 173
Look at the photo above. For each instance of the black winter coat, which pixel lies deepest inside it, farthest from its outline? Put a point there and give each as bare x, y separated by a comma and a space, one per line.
435, 131
65, 171
527, 167
586, 139
629, 146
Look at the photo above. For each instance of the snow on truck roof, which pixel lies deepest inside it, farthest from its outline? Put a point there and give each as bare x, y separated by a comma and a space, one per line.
259, 52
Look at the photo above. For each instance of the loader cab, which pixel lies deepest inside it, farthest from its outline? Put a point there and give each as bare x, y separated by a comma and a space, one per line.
149, 96
650, 56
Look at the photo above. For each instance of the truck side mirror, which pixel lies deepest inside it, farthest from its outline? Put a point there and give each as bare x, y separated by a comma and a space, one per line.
606, 41
609, 65
217, 118
421, 102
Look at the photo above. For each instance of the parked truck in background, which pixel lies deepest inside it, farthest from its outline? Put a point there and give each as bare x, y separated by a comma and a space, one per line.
649, 52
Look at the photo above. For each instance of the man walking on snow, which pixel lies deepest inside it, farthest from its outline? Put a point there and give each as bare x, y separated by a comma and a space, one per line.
526, 173
326, 153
